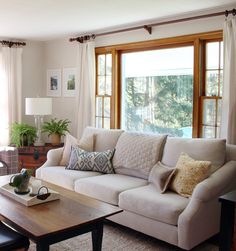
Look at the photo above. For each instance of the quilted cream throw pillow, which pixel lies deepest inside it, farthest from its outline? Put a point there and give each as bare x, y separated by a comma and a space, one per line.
86, 143
189, 173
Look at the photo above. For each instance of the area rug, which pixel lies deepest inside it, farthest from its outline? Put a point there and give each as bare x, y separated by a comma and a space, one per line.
118, 238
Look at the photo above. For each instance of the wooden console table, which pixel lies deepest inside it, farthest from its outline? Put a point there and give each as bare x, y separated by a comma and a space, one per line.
227, 221
32, 157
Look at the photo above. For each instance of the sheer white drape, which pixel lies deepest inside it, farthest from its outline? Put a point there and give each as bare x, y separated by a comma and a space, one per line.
86, 86
10, 91
228, 118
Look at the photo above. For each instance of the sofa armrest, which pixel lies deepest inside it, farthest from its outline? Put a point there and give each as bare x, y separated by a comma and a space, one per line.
53, 159
201, 218
220, 182
198, 222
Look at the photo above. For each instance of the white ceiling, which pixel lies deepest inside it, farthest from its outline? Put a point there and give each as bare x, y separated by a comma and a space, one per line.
50, 19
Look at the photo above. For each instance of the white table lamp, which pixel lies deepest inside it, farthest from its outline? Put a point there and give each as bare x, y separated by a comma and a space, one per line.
38, 107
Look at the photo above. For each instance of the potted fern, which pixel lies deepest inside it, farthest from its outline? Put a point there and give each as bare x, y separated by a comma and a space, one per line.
55, 129
22, 134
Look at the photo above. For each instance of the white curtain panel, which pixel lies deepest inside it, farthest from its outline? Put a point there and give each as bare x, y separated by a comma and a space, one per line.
86, 86
11, 90
228, 118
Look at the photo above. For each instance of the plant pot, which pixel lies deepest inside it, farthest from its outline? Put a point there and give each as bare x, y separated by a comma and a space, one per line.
55, 139
24, 140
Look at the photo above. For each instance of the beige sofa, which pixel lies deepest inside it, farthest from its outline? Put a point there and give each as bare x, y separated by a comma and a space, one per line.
184, 222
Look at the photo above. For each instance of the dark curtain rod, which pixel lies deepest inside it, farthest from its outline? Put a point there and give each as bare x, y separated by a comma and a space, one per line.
11, 43
148, 27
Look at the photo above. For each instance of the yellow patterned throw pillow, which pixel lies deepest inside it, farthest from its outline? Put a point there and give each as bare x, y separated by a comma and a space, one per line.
189, 173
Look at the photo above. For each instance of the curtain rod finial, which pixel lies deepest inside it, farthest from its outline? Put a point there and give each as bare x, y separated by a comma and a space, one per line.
148, 29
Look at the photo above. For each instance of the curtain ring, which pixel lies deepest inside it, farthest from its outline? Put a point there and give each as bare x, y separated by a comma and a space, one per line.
226, 13
234, 12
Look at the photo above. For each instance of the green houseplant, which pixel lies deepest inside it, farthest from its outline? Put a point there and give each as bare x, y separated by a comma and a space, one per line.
22, 134
55, 129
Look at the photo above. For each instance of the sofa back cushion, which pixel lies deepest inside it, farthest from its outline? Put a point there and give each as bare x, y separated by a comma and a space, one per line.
85, 143
137, 153
213, 150
104, 139
230, 152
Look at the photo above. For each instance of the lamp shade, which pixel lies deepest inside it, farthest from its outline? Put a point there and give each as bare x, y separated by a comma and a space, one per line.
38, 106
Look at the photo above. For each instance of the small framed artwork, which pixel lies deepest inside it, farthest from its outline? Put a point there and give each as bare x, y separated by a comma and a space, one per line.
69, 82
54, 83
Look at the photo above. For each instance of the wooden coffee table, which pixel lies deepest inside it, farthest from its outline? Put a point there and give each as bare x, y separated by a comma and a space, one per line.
55, 221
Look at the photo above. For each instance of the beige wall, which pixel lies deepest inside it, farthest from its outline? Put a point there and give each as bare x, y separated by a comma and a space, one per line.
33, 59
59, 54
172, 30
62, 53
32, 74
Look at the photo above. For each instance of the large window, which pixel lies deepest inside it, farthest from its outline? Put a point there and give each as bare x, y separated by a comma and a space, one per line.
157, 91
103, 90
212, 91
171, 85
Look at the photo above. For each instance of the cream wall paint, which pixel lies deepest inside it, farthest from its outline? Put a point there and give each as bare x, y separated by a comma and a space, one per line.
32, 74
164, 31
62, 53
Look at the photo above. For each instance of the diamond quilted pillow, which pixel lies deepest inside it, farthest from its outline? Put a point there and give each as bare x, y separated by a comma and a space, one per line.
136, 153
91, 161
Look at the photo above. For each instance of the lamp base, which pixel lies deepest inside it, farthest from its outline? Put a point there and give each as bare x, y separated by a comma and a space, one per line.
38, 124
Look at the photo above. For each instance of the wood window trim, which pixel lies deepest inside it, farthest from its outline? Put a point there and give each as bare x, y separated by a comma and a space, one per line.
197, 40
202, 98
102, 96
203, 95
163, 42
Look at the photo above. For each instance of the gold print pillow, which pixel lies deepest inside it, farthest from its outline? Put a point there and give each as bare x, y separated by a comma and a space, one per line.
189, 173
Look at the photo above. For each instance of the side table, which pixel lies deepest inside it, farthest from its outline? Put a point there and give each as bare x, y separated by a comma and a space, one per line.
32, 157
227, 220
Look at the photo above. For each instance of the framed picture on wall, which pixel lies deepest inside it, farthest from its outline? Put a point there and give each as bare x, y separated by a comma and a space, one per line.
69, 82
54, 82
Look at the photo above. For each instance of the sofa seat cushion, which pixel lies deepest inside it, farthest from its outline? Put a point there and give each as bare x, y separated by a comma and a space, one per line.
107, 187
148, 202
137, 153
213, 150
62, 177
